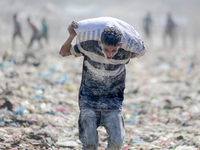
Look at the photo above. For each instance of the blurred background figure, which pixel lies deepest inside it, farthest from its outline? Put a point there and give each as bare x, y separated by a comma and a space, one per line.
44, 32
35, 34
147, 25
170, 31
17, 31
147, 28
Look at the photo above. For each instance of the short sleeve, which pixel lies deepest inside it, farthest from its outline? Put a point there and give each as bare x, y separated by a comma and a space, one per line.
75, 51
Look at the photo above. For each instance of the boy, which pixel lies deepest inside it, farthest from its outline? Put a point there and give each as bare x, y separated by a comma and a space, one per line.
102, 86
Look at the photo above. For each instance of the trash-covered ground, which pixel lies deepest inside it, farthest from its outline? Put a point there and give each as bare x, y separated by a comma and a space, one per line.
39, 97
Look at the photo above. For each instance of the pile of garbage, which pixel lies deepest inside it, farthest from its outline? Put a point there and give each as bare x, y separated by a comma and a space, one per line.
39, 102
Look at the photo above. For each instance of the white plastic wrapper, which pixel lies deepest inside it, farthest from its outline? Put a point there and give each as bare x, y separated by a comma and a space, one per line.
91, 29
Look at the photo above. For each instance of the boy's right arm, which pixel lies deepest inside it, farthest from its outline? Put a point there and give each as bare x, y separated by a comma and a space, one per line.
65, 49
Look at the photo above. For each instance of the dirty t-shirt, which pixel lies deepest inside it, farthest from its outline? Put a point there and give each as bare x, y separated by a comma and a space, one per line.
103, 80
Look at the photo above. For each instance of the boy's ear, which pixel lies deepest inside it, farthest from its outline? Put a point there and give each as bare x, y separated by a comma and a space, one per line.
120, 45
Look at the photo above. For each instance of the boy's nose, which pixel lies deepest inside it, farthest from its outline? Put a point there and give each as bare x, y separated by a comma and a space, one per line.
109, 54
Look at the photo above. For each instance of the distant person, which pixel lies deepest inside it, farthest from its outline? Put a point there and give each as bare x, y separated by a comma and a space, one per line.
35, 34
17, 30
44, 32
170, 29
147, 24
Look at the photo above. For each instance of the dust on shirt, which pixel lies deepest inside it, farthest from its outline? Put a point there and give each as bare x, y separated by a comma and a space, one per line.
103, 80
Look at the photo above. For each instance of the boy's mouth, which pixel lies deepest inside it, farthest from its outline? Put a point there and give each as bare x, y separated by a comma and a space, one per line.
109, 57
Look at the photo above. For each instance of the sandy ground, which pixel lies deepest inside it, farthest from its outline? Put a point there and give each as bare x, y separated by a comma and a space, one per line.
161, 107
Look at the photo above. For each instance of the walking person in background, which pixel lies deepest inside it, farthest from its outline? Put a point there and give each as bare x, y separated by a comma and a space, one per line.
36, 35
44, 32
102, 88
170, 31
147, 25
147, 28
17, 31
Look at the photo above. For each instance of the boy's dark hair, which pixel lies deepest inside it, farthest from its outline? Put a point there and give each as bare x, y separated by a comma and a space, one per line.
111, 36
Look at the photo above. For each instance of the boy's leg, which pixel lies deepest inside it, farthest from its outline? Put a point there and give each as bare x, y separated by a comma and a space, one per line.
114, 124
88, 134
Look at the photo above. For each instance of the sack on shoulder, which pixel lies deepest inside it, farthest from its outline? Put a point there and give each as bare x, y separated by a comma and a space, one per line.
91, 29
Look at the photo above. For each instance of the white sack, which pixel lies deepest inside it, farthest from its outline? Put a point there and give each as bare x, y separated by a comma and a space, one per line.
91, 29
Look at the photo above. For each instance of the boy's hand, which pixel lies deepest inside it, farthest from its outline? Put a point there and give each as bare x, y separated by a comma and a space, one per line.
72, 26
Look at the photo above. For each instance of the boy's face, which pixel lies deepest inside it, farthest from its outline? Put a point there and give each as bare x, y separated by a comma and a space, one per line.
109, 51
